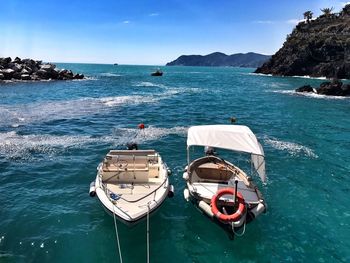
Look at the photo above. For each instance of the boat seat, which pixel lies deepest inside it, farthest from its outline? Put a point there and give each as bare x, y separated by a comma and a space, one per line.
212, 171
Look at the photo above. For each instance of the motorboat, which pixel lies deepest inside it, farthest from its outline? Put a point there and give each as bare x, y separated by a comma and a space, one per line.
131, 184
219, 188
158, 72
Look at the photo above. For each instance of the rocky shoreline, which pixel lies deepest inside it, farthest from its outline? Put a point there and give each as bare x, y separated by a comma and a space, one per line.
334, 88
316, 47
33, 70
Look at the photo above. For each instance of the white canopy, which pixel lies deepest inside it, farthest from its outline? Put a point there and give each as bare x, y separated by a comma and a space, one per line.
232, 137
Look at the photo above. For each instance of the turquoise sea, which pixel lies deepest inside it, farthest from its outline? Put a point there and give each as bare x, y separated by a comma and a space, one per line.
54, 134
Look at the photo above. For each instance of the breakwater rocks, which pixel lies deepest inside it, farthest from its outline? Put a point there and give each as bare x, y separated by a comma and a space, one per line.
34, 70
319, 48
334, 88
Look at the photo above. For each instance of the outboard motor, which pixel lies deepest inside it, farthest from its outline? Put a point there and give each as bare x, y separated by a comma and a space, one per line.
131, 146
209, 150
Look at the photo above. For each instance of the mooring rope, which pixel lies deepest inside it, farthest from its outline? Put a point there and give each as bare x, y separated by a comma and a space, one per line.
117, 235
148, 231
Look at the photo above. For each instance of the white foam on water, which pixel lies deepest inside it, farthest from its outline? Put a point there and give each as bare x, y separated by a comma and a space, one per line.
278, 85
309, 77
17, 115
145, 84
15, 146
24, 147
291, 147
150, 133
110, 74
122, 100
260, 74
310, 94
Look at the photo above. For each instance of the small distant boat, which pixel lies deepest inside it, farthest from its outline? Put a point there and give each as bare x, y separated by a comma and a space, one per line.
131, 183
220, 189
115, 64
158, 72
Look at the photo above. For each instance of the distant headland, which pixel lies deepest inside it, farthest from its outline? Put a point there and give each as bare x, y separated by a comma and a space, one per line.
217, 59
317, 48
33, 70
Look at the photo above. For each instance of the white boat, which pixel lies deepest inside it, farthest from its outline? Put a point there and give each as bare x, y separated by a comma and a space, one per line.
220, 189
131, 183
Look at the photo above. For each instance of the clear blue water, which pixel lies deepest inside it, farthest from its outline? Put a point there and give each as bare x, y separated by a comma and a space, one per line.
54, 134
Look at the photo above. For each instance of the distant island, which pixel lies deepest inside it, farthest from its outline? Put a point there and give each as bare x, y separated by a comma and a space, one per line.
217, 59
317, 48
33, 70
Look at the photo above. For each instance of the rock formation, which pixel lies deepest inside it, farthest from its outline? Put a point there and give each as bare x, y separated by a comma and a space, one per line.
334, 88
318, 48
29, 69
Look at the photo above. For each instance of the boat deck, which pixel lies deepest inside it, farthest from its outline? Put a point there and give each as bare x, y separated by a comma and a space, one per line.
207, 190
134, 199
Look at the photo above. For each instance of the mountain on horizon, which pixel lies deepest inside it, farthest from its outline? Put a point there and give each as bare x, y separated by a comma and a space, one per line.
218, 59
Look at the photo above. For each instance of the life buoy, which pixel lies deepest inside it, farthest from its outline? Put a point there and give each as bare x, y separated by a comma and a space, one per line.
227, 218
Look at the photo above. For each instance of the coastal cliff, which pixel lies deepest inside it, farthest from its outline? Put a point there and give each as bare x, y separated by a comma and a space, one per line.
317, 48
33, 70
217, 59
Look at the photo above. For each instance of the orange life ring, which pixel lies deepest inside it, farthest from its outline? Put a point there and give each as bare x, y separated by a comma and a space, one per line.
227, 218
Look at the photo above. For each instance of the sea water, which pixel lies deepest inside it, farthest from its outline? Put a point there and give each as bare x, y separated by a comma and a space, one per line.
54, 134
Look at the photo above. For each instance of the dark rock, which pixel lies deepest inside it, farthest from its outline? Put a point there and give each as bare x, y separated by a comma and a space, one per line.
35, 77
7, 73
78, 76
29, 69
48, 67
306, 88
5, 61
16, 75
43, 74
319, 48
25, 71
17, 60
25, 77
17, 67
346, 89
333, 88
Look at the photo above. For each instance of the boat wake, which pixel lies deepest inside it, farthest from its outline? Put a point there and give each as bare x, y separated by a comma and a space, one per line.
292, 148
148, 134
18, 115
15, 146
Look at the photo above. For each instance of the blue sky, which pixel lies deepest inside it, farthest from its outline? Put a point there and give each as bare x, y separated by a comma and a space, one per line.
150, 32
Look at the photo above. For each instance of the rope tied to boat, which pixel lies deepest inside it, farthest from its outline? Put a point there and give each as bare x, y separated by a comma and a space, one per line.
148, 209
117, 235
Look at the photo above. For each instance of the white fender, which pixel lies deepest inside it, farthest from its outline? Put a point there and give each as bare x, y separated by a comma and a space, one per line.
92, 190
185, 176
205, 208
240, 222
186, 194
260, 208
171, 191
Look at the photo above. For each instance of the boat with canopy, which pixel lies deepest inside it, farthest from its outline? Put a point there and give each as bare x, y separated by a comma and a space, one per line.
219, 188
